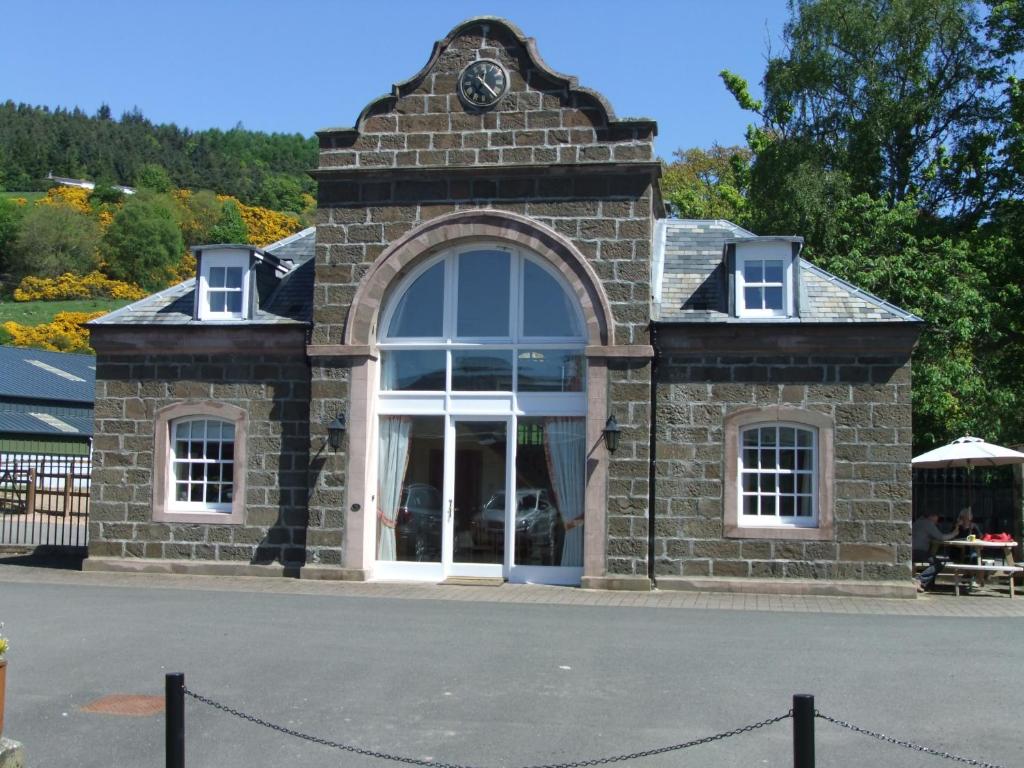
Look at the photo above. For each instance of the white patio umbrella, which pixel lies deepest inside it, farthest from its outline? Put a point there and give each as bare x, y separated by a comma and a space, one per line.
968, 452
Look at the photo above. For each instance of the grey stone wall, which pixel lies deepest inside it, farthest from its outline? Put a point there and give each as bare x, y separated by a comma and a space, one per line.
130, 389
867, 396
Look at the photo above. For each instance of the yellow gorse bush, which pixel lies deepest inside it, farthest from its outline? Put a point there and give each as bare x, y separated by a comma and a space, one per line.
265, 226
73, 197
70, 286
64, 334
186, 269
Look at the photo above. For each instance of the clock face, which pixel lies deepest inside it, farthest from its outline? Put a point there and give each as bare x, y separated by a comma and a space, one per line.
482, 83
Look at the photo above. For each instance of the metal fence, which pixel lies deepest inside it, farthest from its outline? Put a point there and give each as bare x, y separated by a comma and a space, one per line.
989, 492
44, 500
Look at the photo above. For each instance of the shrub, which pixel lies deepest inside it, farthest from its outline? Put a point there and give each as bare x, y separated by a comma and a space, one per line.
143, 244
76, 198
54, 239
70, 286
64, 334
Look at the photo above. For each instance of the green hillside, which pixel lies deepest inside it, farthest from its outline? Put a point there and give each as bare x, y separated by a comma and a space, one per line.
257, 168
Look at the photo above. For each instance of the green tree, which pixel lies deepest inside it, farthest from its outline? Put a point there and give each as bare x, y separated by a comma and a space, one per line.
154, 177
230, 227
889, 136
104, 194
52, 240
896, 95
11, 215
143, 243
200, 213
708, 184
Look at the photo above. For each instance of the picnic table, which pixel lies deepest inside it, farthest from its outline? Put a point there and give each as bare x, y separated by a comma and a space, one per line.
988, 567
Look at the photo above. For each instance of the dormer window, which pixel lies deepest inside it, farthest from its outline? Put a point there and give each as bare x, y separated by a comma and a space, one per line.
224, 284
764, 277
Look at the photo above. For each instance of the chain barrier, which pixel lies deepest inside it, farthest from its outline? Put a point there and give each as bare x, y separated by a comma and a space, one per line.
434, 764
901, 743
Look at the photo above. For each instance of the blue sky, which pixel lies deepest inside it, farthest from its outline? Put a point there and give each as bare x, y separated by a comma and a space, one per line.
302, 65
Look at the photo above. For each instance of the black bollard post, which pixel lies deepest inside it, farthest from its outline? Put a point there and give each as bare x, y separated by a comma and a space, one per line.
803, 730
174, 713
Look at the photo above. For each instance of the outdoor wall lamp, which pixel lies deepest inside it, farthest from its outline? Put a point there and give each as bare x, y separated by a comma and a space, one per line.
611, 433
335, 431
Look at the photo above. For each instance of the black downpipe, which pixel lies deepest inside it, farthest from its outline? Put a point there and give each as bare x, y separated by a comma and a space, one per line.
652, 456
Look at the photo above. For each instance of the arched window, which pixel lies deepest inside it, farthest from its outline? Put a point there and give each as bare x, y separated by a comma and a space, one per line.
481, 467
483, 318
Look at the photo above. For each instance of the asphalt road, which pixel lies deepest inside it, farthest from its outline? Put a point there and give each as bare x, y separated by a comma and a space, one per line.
492, 684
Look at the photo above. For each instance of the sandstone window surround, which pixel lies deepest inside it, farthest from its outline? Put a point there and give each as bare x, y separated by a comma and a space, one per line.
774, 482
199, 468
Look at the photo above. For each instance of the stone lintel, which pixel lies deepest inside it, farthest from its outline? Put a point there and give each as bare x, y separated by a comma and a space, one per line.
342, 350
789, 338
644, 168
192, 340
642, 351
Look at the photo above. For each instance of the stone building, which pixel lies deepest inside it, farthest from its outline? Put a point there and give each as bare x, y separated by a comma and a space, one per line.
529, 372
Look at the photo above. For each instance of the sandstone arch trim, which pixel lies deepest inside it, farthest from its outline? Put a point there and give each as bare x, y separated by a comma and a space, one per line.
445, 231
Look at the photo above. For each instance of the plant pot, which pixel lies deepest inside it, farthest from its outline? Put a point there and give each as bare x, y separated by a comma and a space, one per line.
3, 685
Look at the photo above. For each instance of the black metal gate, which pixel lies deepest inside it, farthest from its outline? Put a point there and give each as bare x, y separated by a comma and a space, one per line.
44, 501
988, 491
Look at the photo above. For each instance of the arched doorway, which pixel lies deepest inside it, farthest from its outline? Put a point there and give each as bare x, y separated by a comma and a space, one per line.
481, 419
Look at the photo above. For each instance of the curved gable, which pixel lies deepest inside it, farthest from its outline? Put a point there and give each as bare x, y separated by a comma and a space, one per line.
545, 118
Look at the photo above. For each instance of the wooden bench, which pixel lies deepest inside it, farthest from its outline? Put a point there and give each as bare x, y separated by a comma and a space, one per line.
994, 571
959, 570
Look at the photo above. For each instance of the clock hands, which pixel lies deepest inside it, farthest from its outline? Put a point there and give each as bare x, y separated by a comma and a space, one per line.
480, 79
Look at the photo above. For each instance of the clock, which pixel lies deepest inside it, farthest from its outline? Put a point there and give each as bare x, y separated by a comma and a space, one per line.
482, 83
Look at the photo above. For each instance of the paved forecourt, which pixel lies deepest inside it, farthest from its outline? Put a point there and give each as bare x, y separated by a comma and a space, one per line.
496, 676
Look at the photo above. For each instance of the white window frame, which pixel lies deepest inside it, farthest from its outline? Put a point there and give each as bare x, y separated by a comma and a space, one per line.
747, 253
228, 258
777, 520
454, 405
515, 342
175, 461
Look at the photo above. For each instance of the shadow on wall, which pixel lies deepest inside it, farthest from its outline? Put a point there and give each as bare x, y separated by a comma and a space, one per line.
285, 539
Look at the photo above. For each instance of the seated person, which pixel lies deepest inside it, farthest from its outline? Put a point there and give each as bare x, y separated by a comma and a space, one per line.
926, 536
965, 527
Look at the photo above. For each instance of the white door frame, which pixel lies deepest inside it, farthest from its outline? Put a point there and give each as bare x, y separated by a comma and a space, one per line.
452, 568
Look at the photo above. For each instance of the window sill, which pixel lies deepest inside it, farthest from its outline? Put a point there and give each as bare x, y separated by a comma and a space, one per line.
778, 532
210, 517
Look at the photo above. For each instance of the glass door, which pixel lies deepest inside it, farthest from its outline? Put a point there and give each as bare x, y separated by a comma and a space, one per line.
479, 462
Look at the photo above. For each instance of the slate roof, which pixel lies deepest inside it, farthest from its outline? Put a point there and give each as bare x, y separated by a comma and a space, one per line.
42, 422
289, 304
35, 374
689, 284
46, 393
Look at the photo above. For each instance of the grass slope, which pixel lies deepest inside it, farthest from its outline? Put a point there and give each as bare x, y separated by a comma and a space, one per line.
30, 196
37, 312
